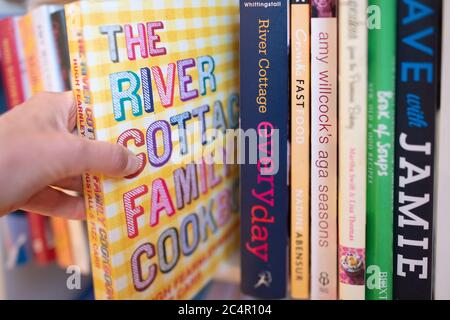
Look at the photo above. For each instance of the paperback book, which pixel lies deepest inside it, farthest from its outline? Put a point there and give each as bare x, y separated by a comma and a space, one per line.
380, 149
264, 105
324, 139
352, 147
162, 80
418, 81
300, 146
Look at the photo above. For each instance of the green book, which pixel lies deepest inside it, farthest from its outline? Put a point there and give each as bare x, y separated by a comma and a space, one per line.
382, 24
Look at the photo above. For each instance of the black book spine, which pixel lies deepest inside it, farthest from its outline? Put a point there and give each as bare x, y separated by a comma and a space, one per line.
418, 63
264, 109
58, 19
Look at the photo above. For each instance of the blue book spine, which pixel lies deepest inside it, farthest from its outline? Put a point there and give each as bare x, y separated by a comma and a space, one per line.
264, 140
418, 58
2, 95
16, 239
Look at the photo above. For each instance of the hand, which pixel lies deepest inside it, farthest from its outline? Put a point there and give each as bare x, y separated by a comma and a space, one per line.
38, 150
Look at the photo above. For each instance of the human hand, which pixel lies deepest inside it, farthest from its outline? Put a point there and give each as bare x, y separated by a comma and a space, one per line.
38, 150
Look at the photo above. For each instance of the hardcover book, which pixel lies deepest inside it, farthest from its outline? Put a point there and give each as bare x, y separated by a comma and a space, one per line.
380, 149
418, 81
300, 146
442, 264
264, 104
324, 139
352, 147
161, 79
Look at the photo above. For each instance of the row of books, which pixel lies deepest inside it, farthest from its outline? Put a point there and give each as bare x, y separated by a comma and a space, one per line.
355, 86
34, 58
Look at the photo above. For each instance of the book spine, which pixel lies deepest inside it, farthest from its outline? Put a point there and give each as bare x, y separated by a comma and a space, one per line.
60, 37
324, 151
79, 245
25, 84
16, 240
29, 45
418, 63
380, 148
352, 147
92, 183
264, 116
10, 63
300, 148
46, 49
3, 107
62, 242
442, 265
41, 239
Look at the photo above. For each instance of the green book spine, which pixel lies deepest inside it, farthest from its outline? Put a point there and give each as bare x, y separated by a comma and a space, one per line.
382, 24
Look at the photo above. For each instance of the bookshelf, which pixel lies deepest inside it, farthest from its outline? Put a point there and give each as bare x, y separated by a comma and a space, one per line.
50, 282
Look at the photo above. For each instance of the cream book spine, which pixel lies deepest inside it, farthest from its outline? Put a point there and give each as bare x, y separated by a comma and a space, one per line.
352, 148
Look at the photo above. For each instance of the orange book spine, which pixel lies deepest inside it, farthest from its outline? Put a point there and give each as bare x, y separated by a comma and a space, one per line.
63, 248
29, 44
300, 147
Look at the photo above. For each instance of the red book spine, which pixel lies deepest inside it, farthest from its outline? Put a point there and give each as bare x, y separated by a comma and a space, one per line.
41, 239
10, 64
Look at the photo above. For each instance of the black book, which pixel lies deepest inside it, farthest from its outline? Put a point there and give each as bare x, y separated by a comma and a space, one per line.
60, 34
418, 65
264, 109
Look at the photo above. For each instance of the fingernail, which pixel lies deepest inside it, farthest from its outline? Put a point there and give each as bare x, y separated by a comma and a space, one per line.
133, 165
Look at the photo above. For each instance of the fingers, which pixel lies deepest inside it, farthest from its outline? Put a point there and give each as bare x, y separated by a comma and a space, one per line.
71, 155
50, 202
60, 113
82, 155
72, 184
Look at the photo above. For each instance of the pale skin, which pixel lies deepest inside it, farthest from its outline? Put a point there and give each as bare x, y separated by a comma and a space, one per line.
38, 151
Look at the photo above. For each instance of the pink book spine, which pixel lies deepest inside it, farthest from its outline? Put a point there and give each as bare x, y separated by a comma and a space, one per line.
324, 151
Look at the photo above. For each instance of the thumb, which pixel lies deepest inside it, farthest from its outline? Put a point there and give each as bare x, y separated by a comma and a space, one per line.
98, 156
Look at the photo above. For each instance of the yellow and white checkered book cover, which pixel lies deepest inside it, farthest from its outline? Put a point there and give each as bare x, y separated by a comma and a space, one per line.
188, 53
